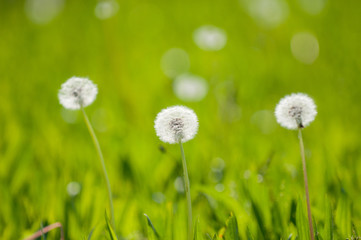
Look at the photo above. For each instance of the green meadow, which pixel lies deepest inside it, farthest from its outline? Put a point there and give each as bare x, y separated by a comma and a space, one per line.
245, 170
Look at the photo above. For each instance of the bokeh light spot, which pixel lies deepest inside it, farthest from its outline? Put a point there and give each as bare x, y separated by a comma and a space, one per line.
69, 116
106, 9
43, 11
312, 7
304, 47
210, 38
179, 184
190, 88
264, 120
73, 188
268, 13
175, 62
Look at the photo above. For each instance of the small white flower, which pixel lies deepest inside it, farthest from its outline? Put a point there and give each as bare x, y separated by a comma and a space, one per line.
177, 123
295, 111
77, 92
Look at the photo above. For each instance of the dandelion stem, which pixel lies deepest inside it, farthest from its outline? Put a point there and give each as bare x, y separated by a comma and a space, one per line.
188, 192
47, 229
306, 182
101, 158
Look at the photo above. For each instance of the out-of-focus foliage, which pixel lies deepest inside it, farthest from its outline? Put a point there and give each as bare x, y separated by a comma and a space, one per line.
241, 161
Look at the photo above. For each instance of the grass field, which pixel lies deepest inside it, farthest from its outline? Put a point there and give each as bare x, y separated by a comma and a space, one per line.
241, 163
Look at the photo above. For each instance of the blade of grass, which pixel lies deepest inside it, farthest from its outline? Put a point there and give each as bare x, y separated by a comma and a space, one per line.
232, 232
343, 216
197, 233
111, 232
91, 233
328, 230
290, 237
277, 222
258, 215
152, 233
317, 234
249, 234
301, 221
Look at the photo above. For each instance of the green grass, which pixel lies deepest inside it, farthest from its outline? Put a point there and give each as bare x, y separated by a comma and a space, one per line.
40, 153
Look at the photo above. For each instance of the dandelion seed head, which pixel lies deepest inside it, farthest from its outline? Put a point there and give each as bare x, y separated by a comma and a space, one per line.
295, 110
177, 123
77, 92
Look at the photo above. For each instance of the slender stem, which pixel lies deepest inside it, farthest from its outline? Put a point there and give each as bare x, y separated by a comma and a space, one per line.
188, 192
306, 182
101, 158
46, 230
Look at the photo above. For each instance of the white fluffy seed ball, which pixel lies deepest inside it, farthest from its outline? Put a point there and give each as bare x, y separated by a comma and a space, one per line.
295, 111
177, 123
77, 92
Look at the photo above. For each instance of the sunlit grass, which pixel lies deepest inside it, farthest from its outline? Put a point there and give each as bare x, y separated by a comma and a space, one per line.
260, 185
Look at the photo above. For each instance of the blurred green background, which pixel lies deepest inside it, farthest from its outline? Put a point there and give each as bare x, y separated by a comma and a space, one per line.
241, 161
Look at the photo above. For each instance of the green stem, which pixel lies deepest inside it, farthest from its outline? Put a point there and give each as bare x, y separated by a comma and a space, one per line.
188, 192
306, 182
101, 158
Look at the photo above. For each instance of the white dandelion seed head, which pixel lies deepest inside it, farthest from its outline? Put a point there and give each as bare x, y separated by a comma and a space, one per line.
177, 123
295, 110
77, 92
